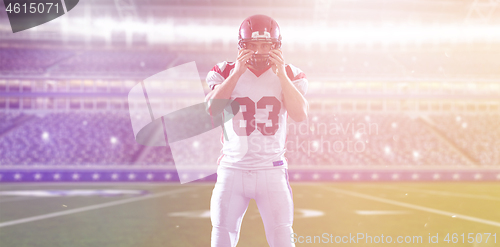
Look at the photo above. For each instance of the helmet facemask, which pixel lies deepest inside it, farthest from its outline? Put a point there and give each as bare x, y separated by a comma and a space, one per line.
259, 61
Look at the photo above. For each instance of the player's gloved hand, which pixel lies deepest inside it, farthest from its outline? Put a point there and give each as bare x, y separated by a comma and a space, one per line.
241, 61
276, 57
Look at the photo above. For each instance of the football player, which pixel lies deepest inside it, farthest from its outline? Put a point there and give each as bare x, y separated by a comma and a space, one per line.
252, 164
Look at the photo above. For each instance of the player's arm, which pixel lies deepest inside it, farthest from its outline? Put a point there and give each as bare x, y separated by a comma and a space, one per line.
295, 103
225, 89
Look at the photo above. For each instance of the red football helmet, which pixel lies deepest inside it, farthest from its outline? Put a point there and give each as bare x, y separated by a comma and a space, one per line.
259, 28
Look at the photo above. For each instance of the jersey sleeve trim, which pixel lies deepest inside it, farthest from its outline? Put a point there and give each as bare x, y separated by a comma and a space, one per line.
294, 73
298, 78
213, 79
219, 73
223, 69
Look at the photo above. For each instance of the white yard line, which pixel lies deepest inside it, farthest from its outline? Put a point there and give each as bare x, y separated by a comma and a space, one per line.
416, 207
111, 186
92, 207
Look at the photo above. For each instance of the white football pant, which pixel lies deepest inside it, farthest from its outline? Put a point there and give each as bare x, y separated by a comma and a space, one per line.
230, 198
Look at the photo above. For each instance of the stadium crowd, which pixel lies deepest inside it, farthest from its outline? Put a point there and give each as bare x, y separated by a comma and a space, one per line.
69, 139
333, 139
477, 136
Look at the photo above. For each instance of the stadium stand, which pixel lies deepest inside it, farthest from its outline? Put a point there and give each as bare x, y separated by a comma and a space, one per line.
477, 136
369, 140
9, 121
69, 139
24, 61
114, 63
358, 140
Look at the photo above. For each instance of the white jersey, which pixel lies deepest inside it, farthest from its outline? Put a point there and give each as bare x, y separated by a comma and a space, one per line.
255, 137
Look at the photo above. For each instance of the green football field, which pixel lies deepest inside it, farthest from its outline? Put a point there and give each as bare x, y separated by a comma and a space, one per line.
329, 214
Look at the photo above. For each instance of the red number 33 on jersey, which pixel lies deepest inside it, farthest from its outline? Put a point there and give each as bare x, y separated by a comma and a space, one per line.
247, 116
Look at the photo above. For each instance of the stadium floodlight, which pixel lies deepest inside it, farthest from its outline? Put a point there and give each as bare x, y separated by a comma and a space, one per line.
398, 33
170, 31
415, 154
